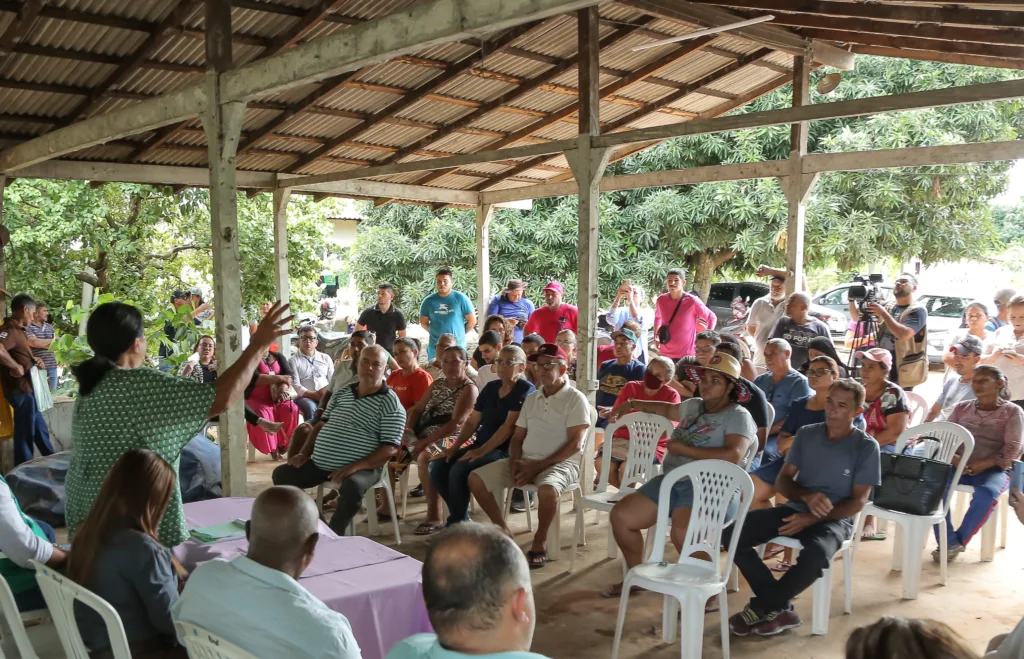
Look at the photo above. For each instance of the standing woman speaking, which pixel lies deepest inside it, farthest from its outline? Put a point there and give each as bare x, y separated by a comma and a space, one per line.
122, 406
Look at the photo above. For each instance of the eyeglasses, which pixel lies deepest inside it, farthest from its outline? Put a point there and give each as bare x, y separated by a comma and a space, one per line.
506, 362
819, 372
307, 338
549, 365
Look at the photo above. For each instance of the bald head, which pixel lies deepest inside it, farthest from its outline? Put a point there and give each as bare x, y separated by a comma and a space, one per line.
797, 305
282, 531
373, 363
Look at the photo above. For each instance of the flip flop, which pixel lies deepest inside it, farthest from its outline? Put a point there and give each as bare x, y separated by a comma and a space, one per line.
537, 559
426, 529
615, 590
781, 566
774, 552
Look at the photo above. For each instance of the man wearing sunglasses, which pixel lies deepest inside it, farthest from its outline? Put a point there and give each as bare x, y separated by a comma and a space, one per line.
903, 332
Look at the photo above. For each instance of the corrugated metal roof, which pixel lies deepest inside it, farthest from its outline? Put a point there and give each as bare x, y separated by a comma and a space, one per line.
60, 60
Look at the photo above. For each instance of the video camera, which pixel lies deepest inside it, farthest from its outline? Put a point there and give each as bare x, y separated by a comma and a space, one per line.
868, 292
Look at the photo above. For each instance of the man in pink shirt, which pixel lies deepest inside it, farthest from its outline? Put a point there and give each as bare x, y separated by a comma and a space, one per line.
678, 317
554, 316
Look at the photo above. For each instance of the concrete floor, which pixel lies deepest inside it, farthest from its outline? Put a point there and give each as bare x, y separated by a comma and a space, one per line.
979, 601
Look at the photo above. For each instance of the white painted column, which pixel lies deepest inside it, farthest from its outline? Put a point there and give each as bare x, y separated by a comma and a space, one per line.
223, 125
797, 185
483, 262
281, 197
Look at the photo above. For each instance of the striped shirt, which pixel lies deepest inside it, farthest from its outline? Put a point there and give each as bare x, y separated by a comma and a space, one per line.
354, 426
43, 332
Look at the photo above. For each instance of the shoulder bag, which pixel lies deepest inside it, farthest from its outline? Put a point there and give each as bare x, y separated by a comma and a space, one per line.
912, 484
664, 335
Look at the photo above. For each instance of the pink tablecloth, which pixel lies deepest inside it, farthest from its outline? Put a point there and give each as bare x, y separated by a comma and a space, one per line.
377, 588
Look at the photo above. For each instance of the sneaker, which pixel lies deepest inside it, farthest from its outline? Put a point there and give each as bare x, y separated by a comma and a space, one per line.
519, 502
952, 551
743, 623
777, 622
416, 491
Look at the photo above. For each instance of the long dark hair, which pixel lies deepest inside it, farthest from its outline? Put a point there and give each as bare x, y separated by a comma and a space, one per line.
900, 638
112, 329
135, 492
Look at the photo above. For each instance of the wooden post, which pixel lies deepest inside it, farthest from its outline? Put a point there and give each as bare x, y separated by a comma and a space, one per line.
588, 166
483, 262
223, 125
281, 197
796, 184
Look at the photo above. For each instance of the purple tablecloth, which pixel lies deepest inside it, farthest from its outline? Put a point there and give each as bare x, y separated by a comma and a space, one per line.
377, 588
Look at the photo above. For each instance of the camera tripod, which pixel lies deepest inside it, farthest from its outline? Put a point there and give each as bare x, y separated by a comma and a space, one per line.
867, 330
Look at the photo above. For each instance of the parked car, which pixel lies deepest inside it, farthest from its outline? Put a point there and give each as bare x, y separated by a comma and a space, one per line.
731, 302
837, 299
945, 316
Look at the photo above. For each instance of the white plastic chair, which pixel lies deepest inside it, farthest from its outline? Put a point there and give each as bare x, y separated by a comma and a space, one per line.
918, 409
692, 581
913, 529
644, 432
988, 532
370, 501
38, 642
202, 644
60, 594
555, 541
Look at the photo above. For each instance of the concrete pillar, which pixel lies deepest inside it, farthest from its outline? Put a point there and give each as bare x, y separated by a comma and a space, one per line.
223, 125
483, 262
281, 197
797, 185
88, 297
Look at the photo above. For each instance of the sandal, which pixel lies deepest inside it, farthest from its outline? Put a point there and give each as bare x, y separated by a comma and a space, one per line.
711, 606
774, 551
537, 559
872, 535
615, 590
386, 517
427, 528
781, 566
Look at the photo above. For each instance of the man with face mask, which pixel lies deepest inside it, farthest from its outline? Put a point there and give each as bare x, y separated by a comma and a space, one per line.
764, 313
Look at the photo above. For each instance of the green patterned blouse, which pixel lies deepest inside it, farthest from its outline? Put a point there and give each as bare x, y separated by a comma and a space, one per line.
133, 408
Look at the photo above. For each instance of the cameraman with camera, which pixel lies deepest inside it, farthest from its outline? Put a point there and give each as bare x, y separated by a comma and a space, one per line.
903, 331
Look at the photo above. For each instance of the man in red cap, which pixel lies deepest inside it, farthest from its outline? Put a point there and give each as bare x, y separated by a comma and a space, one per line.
549, 436
554, 316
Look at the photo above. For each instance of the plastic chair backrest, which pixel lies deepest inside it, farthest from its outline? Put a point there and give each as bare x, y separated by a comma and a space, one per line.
14, 623
950, 438
202, 644
715, 483
60, 594
918, 409
644, 432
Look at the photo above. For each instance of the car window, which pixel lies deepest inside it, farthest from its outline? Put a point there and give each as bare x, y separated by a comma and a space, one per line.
838, 296
722, 294
943, 307
750, 292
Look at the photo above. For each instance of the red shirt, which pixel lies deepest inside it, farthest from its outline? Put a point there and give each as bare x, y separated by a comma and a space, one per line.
410, 388
604, 353
693, 317
635, 390
548, 322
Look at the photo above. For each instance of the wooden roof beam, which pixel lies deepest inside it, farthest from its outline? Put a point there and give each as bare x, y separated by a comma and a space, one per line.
906, 13
20, 25
1000, 36
948, 58
915, 44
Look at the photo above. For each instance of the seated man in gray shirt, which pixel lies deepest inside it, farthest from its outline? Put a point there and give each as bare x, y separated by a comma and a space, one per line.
827, 479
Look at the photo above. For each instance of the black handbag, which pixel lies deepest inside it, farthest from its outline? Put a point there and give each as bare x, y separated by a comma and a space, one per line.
912, 484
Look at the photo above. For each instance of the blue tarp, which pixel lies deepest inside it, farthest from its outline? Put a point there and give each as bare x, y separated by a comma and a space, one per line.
39, 484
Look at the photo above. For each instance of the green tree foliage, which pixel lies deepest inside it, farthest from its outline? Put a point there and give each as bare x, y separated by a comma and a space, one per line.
853, 219
1009, 224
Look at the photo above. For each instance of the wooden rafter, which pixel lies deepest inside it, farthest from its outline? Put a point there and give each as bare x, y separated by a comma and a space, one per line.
907, 13
19, 27
916, 43
431, 86
157, 38
948, 58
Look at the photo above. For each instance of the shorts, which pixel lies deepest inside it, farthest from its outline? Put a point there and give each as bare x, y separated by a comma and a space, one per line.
682, 495
769, 472
563, 476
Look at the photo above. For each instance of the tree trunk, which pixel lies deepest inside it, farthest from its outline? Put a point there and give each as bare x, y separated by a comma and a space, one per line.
704, 265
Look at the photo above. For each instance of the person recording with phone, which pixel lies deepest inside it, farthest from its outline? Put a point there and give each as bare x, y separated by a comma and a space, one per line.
902, 330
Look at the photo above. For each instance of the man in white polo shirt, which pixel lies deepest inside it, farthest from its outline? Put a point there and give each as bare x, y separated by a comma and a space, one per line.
548, 439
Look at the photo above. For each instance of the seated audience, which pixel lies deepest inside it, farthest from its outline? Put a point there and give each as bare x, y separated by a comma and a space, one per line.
268, 396
886, 414
531, 344
614, 374
550, 433
409, 380
513, 308
489, 347
496, 324
781, 385
434, 368
747, 368
827, 479
256, 601
122, 406
975, 318
998, 429
312, 372
117, 556
1005, 349
798, 327
654, 387
713, 427
704, 346
566, 340
964, 355
22, 539
359, 432
346, 369
819, 346
493, 420
681, 381
900, 638
479, 597
433, 424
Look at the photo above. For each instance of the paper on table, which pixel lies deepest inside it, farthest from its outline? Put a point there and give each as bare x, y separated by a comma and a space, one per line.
233, 530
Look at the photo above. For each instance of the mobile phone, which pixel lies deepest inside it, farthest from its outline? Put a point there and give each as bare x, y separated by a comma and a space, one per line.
1017, 475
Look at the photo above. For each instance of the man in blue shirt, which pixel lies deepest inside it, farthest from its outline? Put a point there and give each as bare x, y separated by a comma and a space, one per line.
446, 312
512, 303
613, 374
476, 585
781, 386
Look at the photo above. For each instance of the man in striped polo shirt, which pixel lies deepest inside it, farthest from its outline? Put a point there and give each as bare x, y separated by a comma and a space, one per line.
360, 432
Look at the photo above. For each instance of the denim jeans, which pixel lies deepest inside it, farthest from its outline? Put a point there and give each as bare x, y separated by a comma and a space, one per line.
29, 428
51, 377
988, 485
307, 406
451, 479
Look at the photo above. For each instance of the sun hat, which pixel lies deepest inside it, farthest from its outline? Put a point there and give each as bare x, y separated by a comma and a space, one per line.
728, 366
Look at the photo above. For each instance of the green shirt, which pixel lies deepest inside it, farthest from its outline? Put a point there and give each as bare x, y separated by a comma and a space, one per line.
133, 408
